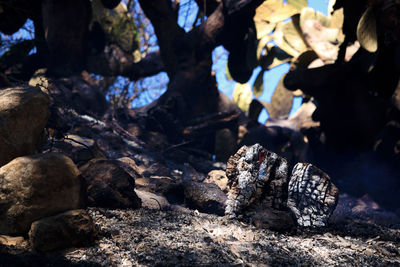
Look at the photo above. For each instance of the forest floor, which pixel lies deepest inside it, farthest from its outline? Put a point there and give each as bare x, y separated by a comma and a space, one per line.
359, 235
360, 232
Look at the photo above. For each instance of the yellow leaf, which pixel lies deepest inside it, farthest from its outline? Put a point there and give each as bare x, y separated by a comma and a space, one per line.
281, 102
242, 96
298, 4
274, 12
366, 31
337, 19
288, 38
263, 28
311, 14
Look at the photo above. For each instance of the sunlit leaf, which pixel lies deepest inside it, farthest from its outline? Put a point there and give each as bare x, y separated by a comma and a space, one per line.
323, 40
227, 73
366, 31
262, 45
274, 12
298, 4
242, 96
288, 38
281, 102
274, 57
310, 14
258, 85
263, 28
337, 19
330, 6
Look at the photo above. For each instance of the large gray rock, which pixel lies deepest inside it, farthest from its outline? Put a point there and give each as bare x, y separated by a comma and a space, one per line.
34, 187
312, 195
23, 116
71, 228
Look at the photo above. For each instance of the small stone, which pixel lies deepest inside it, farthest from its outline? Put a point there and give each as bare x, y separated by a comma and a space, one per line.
204, 197
109, 185
308, 181
71, 228
219, 178
12, 240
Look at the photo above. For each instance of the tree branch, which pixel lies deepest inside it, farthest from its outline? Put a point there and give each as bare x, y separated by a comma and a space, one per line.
166, 28
229, 22
114, 62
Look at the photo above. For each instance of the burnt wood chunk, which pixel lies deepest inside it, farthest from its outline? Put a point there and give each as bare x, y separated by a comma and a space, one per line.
312, 196
257, 177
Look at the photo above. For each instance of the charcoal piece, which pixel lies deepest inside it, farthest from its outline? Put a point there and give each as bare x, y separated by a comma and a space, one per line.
257, 177
312, 196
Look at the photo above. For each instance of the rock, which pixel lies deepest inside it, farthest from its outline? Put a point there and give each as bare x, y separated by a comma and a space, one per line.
207, 198
130, 166
108, 185
151, 200
34, 187
39, 79
23, 116
225, 144
256, 177
219, 178
276, 220
79, 149
156, 169
158, 184
68, 229
312, 196
16, 241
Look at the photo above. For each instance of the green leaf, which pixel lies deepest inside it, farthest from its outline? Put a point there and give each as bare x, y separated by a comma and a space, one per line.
298, 4
366, 31
242, 96
258, 85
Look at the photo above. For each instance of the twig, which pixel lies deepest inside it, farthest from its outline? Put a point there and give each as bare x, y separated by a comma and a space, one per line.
159, 205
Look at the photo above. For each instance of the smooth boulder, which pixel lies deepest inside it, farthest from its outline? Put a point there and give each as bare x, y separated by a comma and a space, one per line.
23, 115
37, 186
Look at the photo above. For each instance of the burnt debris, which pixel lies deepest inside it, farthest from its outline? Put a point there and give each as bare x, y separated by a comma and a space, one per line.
259, 180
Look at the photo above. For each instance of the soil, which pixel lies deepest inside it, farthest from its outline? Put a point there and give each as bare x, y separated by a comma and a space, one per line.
359, 234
